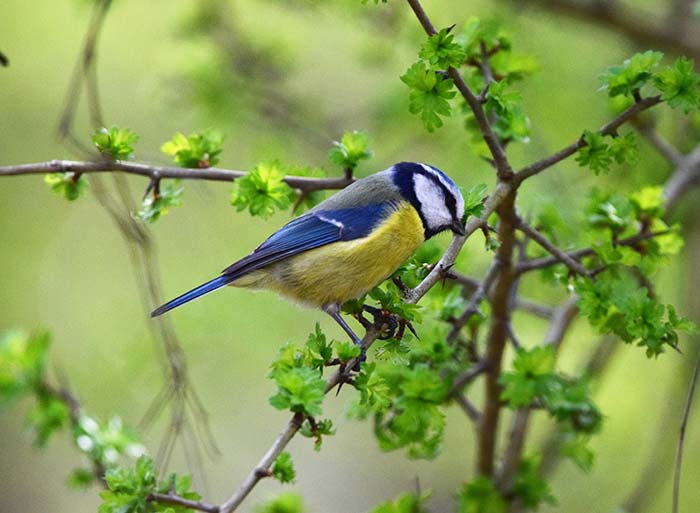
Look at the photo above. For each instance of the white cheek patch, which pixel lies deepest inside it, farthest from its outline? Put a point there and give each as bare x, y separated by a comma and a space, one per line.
432, 202
459, 200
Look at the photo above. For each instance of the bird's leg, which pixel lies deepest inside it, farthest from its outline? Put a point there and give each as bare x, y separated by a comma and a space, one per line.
333, 311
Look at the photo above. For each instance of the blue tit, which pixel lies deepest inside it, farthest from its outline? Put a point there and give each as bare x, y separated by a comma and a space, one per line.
349, 243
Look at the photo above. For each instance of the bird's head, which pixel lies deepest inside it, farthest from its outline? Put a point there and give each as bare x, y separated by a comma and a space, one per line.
433, 194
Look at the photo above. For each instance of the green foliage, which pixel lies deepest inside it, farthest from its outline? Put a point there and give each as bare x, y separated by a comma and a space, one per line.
474, 198
299, 389
481, 496
442, 52
22, 364
48, 416
595, 153
679, 84
347, 350
128, 490
598, 155
534, 382
575, 447
404, 393
405, 503
105, 442
352, 148
283, 468
429, 93
288, 502
490, 32
116, 143
262, 191
317, 429
390, 298
614, 303
632, 75
198, 150
157, 204
69, 185
298, 374
309, 199
529, 487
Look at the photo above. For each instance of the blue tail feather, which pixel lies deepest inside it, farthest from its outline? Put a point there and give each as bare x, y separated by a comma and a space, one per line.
205, 288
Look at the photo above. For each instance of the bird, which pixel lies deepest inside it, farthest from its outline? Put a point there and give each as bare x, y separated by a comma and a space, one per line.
349, 243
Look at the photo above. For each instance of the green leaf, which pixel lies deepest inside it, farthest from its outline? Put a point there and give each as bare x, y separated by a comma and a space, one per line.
595, 153
317, 430
49, 415
318, 351
624, 149
350, 150
576, 449
69, 185
117, 143
262, 191
529, 486
442, 52
157, 204
288, 502
197, 150
405, 503
429, 94
632, 74
481, 496
283, 468
679, 84
347, 350
474, 198
300, 389
22, 364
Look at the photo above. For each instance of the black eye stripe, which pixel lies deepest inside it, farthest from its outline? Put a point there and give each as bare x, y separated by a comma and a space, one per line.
450, 200
403, 175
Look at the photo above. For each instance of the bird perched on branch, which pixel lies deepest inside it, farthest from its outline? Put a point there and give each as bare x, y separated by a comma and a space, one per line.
349, 243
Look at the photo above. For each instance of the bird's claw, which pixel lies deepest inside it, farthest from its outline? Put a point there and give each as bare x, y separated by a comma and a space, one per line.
391, 325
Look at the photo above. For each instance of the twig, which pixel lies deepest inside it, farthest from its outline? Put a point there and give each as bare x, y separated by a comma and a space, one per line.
681, 437
561, 321
541, 263
661, 145
302, 183
262, 469
555, 251
505, 172
572, 148
468, 408
176, 500
450, 255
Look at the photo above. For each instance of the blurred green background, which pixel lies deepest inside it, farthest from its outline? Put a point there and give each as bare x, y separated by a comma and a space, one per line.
283, 80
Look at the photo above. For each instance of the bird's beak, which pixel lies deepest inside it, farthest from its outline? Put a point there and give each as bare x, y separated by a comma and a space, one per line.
457, 227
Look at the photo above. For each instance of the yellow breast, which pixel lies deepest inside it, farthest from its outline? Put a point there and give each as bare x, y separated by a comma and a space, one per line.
341, 271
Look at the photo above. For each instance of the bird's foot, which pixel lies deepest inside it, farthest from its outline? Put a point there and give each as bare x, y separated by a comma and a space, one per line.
390, 325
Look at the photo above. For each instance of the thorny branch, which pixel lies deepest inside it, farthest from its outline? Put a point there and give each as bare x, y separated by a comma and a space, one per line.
302, 183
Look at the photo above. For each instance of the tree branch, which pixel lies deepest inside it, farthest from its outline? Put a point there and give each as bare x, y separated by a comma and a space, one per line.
302, 183
176, 500
551, 248
541, 263
505, 172
636, 26
561, 321
608, 129
681, 436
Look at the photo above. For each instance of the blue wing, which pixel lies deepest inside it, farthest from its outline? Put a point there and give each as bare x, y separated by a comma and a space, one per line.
312, 230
